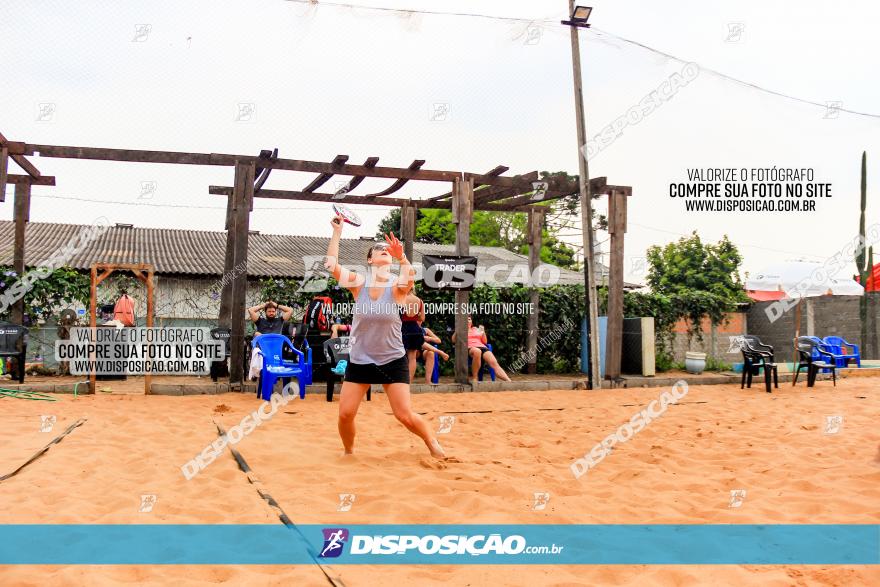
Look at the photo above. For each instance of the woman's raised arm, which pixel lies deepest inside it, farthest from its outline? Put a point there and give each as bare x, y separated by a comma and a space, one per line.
347, 279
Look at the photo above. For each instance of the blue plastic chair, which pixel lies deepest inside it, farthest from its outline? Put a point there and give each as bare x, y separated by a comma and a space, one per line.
274, 367
821, 345
483, 366
837, 345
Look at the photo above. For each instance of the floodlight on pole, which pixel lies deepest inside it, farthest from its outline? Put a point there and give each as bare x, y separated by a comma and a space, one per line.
579, 17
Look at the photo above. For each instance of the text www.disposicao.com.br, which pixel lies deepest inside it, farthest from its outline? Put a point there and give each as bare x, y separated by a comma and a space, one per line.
750, 205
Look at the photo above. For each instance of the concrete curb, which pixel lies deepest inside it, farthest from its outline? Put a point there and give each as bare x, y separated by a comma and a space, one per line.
63, 388
721, 379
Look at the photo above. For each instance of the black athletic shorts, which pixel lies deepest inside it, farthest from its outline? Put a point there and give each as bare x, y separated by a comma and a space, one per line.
483, 350
397, 371
413, 335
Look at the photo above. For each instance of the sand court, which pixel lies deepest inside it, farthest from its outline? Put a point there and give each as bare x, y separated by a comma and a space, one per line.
778, 449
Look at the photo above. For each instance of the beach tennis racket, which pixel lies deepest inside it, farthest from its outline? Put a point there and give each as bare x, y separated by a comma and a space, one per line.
347, 214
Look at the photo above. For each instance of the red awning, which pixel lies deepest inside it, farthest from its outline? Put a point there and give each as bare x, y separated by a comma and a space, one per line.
765, 296
873, 279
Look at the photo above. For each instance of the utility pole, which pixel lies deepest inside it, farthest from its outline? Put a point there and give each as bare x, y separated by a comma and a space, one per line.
586, 201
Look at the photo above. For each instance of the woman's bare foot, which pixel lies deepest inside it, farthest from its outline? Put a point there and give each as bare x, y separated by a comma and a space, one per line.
436, 449
444, 356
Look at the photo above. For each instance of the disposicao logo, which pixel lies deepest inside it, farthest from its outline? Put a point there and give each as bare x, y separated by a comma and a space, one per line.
404, 544
334, 540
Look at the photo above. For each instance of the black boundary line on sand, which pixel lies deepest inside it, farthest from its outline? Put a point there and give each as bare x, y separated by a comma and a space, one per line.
276, 507
538, 409
43, 450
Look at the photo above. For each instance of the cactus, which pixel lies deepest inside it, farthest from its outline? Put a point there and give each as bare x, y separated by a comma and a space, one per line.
865, 265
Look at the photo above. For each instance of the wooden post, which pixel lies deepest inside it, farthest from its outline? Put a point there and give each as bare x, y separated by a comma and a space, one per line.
93, 321
408, 229
797, 330
811, 318
617, 229
4, 169
462, 202
149, 280
21, 213
586, 201
224, 320
243, 195
533, 237
872, 324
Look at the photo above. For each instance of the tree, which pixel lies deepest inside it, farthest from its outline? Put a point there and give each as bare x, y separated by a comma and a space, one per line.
690, 265
488, 229
46, 294
391, 223
692, 280
865, 265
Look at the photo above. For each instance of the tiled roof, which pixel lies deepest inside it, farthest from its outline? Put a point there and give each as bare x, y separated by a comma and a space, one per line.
197, 252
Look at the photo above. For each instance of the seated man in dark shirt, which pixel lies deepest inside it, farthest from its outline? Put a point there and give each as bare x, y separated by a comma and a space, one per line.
271, 323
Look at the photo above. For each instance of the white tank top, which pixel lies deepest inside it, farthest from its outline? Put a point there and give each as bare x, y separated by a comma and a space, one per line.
375, 329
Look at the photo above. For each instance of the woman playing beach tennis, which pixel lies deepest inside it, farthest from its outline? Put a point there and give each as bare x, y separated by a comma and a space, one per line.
377, 354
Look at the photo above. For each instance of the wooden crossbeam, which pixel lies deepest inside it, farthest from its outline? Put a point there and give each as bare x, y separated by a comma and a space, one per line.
310, 196
13, 151
624, 189
27, 166
528, 199
263, 174
132, 155
364, 200
386, 172
496, 192
415, 165
322, 179
357, 179
140, 156
491, 193
43, 179
598, 185
494, 173
557, 189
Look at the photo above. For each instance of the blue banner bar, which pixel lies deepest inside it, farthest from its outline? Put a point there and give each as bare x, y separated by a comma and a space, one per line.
755, 544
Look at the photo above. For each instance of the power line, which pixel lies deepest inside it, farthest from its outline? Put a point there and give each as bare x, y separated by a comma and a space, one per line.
551, 21
413, 11
734, 79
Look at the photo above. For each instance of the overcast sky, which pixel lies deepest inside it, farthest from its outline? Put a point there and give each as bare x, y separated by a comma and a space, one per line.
325, 80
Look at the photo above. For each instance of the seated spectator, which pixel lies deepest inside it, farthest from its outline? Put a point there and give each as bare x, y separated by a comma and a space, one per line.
339, 329
271, 323
429, 353
476, 342
412, 316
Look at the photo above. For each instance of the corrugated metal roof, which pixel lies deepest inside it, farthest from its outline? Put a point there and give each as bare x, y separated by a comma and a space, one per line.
198, 252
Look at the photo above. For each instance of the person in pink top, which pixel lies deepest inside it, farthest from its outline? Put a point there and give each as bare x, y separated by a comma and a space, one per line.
476, 342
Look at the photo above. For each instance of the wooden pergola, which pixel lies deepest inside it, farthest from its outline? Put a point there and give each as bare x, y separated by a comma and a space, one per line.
101, 271
490, 191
